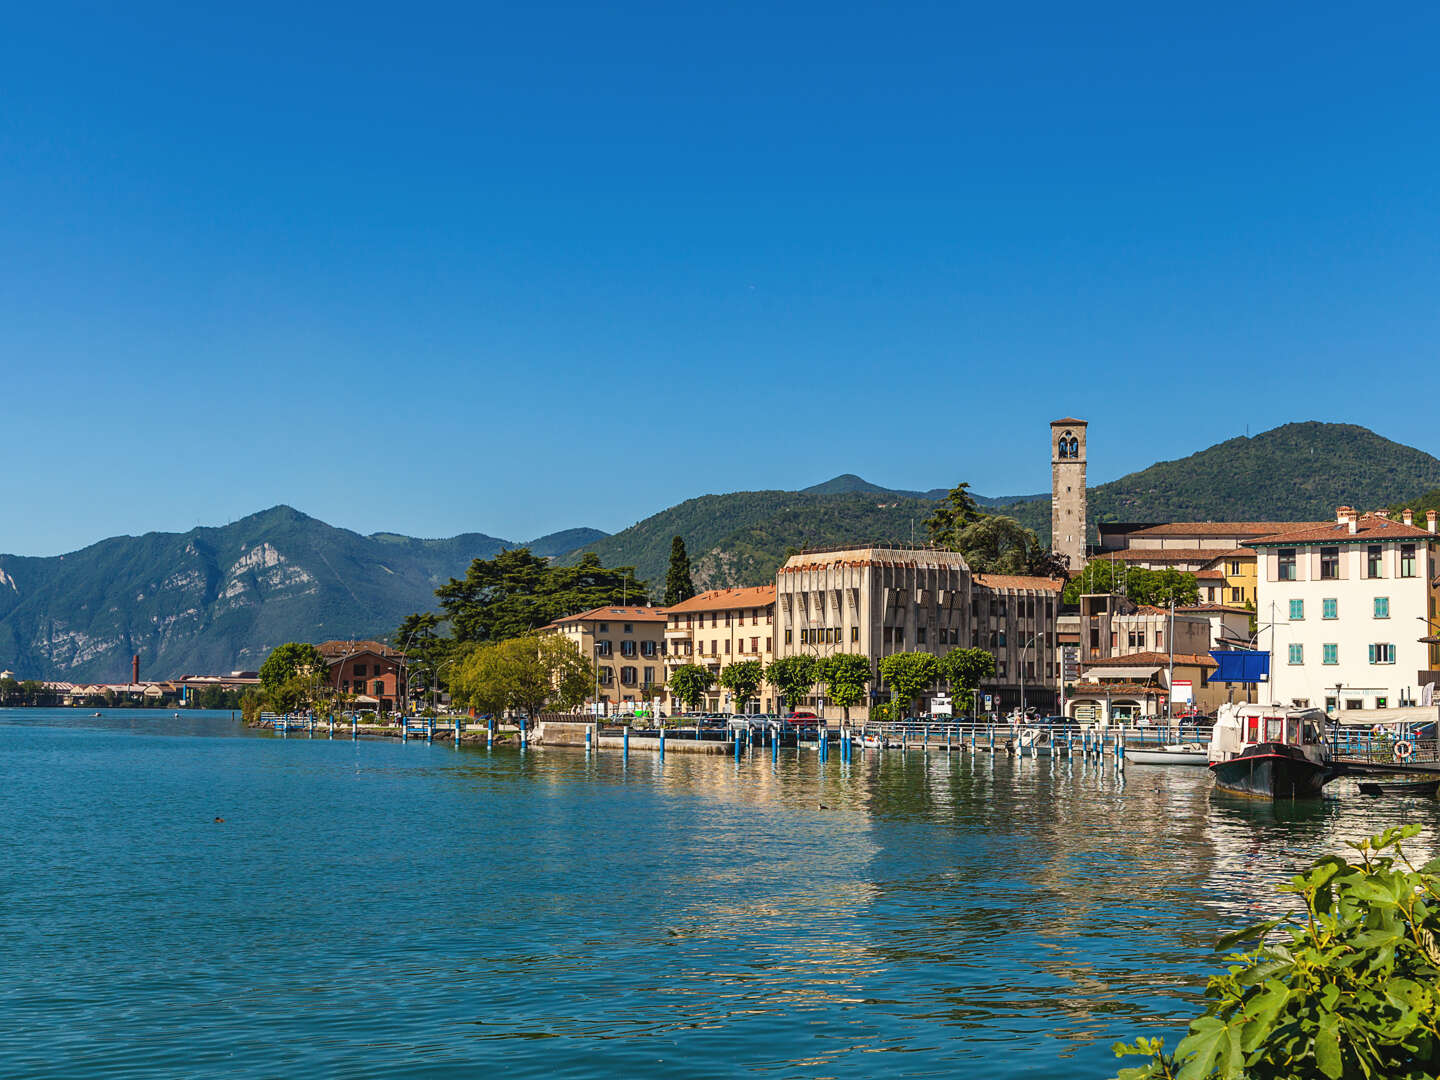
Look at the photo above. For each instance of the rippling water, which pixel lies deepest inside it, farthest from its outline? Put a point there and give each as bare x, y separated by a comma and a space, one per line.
379, 909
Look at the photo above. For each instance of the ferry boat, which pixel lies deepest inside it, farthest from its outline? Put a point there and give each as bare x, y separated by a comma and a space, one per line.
1270, 752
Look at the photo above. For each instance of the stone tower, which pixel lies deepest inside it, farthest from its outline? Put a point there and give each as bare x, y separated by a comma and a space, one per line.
1067, 490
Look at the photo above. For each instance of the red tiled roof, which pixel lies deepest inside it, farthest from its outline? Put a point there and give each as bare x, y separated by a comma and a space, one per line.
1143, 658
1221, 528
725, 599
1210, 575
338, 649
1017, 581
1368, 527
1132, 555
616, 613
1071, 421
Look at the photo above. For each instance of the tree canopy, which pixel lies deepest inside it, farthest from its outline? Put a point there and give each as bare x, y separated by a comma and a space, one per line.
1157, 587
742, 679
909, 674
523, 674
678, 585
792, 676
991, 543
846, 677
689, 683
964, 670
293, 660
516, 593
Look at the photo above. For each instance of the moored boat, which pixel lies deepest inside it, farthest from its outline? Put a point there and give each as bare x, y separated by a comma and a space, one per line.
1190, 753
1415, 789
1270, 752
1037, 742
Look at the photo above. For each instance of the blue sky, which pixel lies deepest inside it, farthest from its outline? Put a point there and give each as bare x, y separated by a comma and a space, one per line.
432, 268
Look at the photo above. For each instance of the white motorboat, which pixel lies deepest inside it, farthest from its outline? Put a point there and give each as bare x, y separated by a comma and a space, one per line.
870, 742
1187, 753
1036, 742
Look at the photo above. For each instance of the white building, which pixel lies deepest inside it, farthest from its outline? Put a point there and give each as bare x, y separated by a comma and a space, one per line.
1342, 610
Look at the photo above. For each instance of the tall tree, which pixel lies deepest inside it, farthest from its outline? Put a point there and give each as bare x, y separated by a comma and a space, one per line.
742, 679
793, 676
846, 676
516, 593
957, 510
524, 674
909, 674
690, 682
1156, 587
678, 585
294, 659
964, 670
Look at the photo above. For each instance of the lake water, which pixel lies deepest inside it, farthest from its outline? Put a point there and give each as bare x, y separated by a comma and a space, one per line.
379, 909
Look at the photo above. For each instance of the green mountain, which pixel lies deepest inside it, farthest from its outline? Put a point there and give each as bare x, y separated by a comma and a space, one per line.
219, 599
1298, 472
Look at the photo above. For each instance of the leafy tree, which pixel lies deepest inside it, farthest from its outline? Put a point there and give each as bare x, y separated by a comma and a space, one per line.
295, 659
965, 670
909, 674
954, 513
516, 593
9, 691
1349, 989
1157, 587
742, 679
846, 677
427, 654
792, 676
999, 545
689, 683
32, 690
678, 585
524, 674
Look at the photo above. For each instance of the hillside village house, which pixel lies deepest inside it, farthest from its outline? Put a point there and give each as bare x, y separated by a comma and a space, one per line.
1348, 610
718, 628
371, 670
626, 647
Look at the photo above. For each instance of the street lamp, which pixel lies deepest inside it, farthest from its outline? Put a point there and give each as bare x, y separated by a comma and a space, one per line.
1025, 649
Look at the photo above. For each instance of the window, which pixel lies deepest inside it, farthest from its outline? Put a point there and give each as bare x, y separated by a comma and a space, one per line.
359, 671
1297, 654
1297, 610
1285, 564
787, 637
647, 648
379, 688
727, 646
920, 635
755, 644
854, 633
1002, 639
1382, 653
1234, 568
1374, 560
1329, 563
629, 628
627, 648
627, 676
602, 648
1328, 608
604, 628
727, 618
649, 676
767, 643
1236, 596
607, 676
1330, 654
1407, 560
1382, 607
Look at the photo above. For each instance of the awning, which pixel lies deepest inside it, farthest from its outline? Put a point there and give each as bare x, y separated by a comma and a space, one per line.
366, 699
1408, 714
1108, 672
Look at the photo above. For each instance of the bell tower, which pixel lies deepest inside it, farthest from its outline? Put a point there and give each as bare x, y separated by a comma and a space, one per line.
1067, 490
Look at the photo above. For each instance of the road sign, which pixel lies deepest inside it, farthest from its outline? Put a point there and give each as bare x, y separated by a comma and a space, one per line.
987, 702
1182, 692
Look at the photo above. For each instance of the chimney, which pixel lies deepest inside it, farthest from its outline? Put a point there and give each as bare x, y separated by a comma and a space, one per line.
1354, 522
1430, 520
1342, 515
1408, 516
135, 668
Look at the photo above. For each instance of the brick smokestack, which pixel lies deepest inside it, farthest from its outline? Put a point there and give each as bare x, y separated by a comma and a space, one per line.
135, 668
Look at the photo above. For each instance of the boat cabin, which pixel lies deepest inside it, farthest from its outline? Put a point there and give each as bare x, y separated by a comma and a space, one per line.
1239, 726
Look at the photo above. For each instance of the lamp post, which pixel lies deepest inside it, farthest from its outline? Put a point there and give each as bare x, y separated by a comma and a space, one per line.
1023, 650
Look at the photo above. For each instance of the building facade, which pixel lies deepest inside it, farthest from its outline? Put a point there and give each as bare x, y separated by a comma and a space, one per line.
876, 601
1344, 608
718, 628
626, 647
370, 670
1068, 527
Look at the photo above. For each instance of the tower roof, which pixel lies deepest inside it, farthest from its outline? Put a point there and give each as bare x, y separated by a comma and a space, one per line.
1069, 421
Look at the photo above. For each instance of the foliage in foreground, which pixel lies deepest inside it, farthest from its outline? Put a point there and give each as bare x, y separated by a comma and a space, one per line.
1347, 990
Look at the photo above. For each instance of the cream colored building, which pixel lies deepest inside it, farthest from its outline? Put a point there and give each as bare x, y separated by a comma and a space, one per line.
722, 627
1345, 608
625, 646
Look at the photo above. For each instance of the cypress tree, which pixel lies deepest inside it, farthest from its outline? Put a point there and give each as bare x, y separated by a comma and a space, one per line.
678, 585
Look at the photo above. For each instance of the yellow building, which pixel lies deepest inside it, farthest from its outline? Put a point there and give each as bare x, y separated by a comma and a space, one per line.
1228, 579
718, 628
626, 647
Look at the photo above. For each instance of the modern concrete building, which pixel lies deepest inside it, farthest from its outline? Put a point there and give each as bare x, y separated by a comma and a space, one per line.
877, 601
1345, 609
1068, 535
718, 628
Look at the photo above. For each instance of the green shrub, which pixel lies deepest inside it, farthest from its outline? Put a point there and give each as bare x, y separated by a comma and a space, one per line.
1347, 989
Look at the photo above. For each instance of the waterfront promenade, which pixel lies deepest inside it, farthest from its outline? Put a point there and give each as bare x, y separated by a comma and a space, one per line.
374, 907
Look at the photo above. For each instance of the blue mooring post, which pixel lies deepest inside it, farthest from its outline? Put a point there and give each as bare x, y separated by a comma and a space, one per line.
775, 747
735, 738
587, 740
625, 744
662, 742
992, 738
1120, 750
404, 730
430, 730
354, 726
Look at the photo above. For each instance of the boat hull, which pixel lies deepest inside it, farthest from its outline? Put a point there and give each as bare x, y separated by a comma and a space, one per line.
1271, 771
1163, 757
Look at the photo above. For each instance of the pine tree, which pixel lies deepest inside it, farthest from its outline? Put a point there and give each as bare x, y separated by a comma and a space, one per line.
678, 586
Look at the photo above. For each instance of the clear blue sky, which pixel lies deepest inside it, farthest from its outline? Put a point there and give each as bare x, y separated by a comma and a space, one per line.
433, 268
